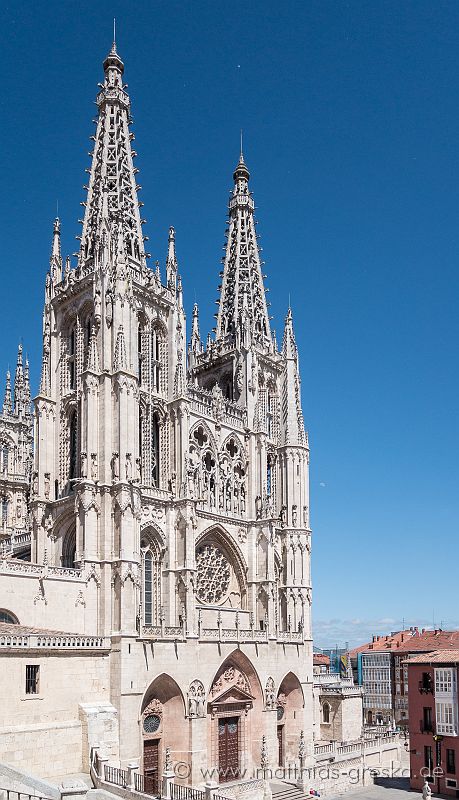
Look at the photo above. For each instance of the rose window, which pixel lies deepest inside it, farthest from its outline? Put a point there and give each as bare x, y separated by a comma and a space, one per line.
213, 574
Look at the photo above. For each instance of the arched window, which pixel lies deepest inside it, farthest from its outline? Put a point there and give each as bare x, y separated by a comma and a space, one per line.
269, 476
5, 457
157, 359
8, 617
72, 359
326, 713
69, 549
73, 445
151, 585
4, 509
155, 465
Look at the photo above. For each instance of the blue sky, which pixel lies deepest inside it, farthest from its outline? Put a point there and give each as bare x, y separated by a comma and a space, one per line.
350, 113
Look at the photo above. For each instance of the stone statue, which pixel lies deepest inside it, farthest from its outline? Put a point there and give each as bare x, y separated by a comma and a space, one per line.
94, 470
84, 465
128, 467
47, 485
258, 506
283, 516
115, 465
294, 516
426, 791
138, 469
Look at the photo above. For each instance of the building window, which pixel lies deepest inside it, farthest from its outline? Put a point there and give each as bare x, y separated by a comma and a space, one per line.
326, 713
425, 684
8, 617
4, 510
5, 457
32, 678
155, 451
151, 562
73, 445
71, 360
445, 681
445, 718
427, 720
451, 762
428, 759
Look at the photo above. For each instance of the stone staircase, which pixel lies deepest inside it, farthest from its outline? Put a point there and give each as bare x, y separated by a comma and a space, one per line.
287, 791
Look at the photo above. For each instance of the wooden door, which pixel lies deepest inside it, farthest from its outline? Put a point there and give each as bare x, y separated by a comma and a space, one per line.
280, 744
151, 766
228, 749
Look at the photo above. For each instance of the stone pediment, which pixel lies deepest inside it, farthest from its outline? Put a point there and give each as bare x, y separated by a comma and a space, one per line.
234, 694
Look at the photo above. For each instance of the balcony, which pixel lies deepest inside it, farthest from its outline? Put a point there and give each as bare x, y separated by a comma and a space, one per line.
425, 726
426, 686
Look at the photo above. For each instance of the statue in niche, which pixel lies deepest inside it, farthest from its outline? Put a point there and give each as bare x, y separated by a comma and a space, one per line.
138, 470
283, 516
84, 465
94, 469
294, 516
306, 516
35, 483
196, 700
270, 694
115, 465
242, 499
128, 467
258, 507
47, 485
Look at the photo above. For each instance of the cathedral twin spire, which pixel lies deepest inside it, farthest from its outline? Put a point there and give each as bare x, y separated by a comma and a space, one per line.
112, 216
243, 311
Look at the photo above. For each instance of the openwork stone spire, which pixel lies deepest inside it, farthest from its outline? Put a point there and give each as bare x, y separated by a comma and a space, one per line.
56, 256
112, 207
8, 403
293, 421
243, 312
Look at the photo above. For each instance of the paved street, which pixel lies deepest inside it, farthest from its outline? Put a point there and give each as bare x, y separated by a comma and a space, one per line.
387, 789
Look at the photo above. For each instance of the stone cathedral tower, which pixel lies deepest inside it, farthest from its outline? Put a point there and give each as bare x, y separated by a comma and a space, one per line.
169, 493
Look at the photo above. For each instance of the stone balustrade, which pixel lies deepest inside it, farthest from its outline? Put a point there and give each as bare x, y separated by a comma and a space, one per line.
334, 750
42, 641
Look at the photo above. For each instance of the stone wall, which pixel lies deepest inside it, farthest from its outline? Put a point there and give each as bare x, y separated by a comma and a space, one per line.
43, 733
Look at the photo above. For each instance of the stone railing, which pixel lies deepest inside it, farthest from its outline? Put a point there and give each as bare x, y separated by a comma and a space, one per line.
344, 750
41, 641
202, 401
241, 789
28, 568
219, 634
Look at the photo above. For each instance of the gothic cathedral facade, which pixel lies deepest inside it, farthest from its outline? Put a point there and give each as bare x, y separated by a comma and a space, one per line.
166, 497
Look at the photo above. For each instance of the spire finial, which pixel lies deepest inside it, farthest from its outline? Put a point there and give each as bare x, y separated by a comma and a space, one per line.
114, 32
242, 150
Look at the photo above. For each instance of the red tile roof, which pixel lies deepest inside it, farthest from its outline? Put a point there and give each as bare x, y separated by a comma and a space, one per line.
435, 657
392, 641
427, 641
320, 658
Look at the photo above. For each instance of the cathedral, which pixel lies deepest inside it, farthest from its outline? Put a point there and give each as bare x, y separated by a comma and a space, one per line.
155, 587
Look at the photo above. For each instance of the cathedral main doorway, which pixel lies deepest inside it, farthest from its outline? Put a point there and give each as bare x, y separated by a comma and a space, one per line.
228, 748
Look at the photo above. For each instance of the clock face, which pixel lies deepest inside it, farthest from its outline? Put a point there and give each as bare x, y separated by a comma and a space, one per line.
151, 723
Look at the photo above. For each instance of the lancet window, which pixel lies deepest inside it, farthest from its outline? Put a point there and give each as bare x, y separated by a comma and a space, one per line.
72, 359
4, 509
151, 583
73, 445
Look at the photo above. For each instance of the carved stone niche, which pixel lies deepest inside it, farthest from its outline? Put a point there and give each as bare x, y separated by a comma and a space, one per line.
196, 700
